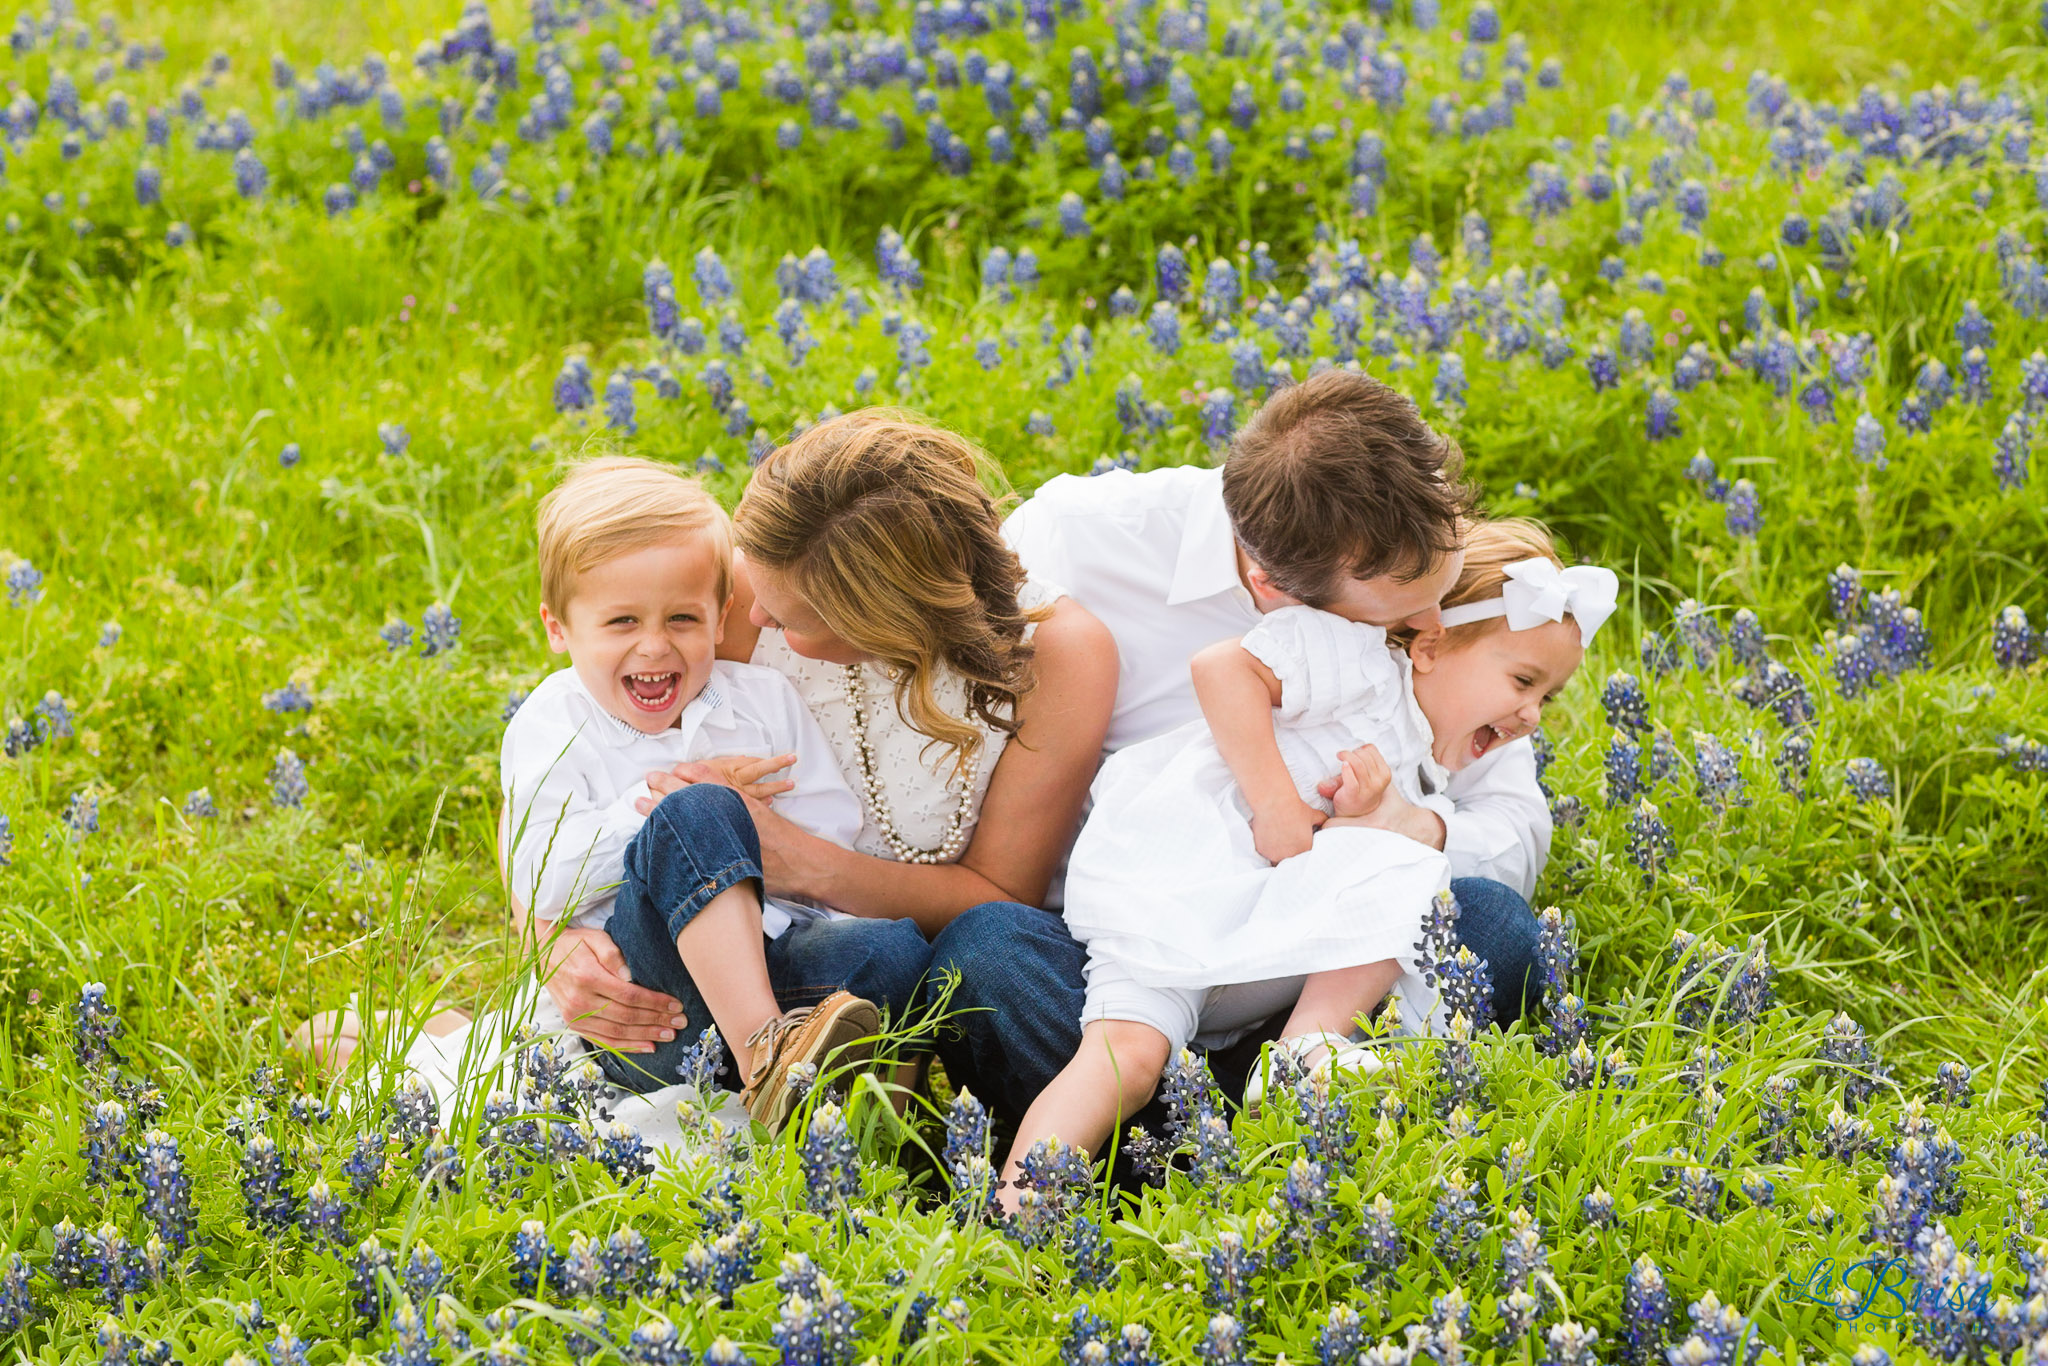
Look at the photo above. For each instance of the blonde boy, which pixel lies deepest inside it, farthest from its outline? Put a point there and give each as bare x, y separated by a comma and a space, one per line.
636, 574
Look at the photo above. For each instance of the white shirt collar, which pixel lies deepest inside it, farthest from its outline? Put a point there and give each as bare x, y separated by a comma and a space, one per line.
1207, 562
709, 709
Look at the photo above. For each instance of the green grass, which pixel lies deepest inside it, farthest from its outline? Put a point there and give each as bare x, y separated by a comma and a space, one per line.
145, 391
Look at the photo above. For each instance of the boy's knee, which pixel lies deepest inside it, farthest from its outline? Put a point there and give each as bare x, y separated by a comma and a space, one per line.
1137, 1053
689, 807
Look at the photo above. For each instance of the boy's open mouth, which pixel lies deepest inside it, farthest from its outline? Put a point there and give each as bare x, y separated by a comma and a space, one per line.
653, 692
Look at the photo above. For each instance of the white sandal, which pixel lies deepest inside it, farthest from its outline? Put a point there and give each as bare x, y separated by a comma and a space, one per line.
1341, 1055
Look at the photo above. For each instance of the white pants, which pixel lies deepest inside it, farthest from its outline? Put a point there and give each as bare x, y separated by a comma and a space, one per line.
1213, 1017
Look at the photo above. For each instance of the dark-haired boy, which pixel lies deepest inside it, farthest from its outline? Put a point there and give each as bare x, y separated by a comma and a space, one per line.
1335, 494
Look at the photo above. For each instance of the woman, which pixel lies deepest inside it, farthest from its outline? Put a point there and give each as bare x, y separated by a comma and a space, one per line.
965, 704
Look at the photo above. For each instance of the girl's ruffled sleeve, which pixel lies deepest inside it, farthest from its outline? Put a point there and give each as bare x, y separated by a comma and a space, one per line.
1327, 666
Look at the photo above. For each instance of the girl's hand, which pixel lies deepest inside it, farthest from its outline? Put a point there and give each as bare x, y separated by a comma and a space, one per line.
1283, 829
585, 973
743, 773
1363, 783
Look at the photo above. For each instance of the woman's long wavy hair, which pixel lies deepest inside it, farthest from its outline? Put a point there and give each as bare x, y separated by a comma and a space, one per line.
886, 528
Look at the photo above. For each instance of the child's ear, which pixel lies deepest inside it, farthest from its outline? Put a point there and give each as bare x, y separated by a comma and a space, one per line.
558, 634
1425, 648
724, 615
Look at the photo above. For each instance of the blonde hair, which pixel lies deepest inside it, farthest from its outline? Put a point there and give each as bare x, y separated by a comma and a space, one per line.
887, 531
606, 507
1490, 547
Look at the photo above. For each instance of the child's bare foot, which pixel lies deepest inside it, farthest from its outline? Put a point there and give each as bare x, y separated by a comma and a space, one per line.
329, 1039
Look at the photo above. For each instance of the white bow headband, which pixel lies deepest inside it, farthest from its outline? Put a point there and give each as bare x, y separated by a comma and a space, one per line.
1538, 591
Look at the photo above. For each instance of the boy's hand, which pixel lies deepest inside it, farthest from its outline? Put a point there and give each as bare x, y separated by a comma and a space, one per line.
1282, 829
1363, 782
743, 773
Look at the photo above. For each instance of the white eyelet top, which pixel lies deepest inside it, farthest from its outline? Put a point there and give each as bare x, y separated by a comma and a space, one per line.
914, 772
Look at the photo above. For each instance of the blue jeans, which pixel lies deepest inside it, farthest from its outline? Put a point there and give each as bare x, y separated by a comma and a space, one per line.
1021, 988
699, 842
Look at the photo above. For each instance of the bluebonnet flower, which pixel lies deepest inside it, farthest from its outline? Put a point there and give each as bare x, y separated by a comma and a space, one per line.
1793, 760
732, 334
396, 635
107, 1152
1846, 1050
2011, 450
1913, 415
394, 437
1223, 1344
1721, 1336
1626, 707
288, 699
267, 1198
1624, 769
338, 199
1660, 421
1163, 328
707, 271
24, 584
1719, 777
166, 1191
287, 779
816, 1332
1867, 779
252, 177
831, 1160
82, 814
1171, 273
1456, 1220
18, 1304
439, 630
6, 841
1448, 389
1973, 329
1073, 215
988, 353
53, 716
1649, 840
2014, 643
1976, 374
1601, 367
1744, 517
1220, 289
1219, 417
1700, 470
1868, 440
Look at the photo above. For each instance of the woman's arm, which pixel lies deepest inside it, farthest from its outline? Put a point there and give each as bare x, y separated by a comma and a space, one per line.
1238, 693
1028, 818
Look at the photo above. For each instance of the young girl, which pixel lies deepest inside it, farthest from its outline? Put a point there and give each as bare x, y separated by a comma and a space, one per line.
1167, 887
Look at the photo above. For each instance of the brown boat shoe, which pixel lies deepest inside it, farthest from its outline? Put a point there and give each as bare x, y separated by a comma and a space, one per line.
841, 1023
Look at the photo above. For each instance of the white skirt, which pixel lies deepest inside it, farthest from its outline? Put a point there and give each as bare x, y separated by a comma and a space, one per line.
1165, 879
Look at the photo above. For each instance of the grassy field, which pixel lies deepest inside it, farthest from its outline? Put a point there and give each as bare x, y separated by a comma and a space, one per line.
259, 402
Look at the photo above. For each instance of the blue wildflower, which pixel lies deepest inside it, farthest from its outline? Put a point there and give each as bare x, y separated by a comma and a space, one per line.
439, 630
287, 778
1744, 517
1867, 779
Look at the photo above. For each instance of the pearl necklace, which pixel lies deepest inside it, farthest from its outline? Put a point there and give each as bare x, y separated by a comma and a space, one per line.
871, 786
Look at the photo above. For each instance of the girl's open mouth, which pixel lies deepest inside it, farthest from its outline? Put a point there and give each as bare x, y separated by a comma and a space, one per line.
1486, 737
653, 692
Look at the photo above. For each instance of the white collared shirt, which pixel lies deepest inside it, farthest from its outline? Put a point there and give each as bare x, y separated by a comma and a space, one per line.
571, 771
1152, 555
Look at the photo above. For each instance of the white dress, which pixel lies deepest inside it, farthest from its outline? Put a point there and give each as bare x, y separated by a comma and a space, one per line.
918, 785
1165, 879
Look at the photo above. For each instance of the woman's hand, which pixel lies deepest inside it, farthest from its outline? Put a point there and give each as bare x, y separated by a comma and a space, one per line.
1283, 828
586, 975
743, 773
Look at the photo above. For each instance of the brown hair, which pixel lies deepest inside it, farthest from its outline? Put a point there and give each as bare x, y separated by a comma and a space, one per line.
1490, 547
617, 503
1337, 477
885, 526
